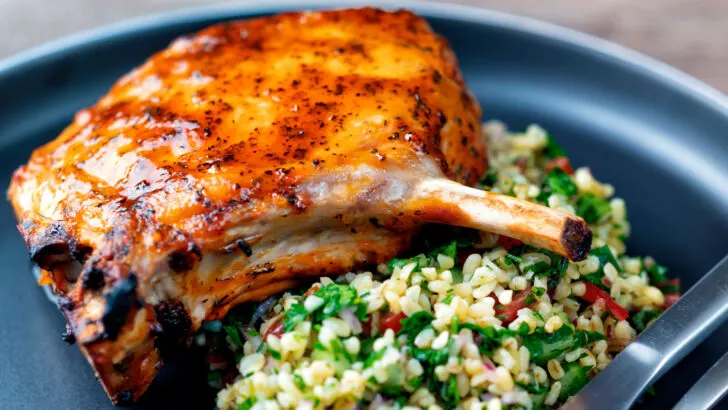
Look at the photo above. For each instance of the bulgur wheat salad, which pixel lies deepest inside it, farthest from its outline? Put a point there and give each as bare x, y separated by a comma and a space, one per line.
470, 320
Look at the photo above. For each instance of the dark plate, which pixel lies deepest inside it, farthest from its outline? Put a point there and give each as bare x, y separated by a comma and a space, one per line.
658, 135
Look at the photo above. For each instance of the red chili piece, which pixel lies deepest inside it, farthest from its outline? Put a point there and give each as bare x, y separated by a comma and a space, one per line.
559, 162
508, 313
593, 294
392, 321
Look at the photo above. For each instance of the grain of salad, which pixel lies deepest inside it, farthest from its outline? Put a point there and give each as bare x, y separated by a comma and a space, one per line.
474, 321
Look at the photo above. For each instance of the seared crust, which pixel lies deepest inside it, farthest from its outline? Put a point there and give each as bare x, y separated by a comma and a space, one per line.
200, 153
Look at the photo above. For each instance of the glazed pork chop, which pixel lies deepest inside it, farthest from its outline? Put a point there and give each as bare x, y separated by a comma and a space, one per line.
246, 157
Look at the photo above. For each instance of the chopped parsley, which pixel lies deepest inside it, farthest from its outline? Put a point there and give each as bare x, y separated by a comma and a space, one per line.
544, 346
489, 179
233, 333
592, 208
605, 256
449, 392
293, 316
553, 149
336, 297
413, 325
492, 338
298, 381
559, 182
511, 259
656, 273
247, 404
641, 319
574, 379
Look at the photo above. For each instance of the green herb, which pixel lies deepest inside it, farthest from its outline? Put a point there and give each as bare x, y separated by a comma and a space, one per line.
511, 259
339, 350
641, 319
656, 273
457, 275
336, 297
584, 337
492, 337
413, 325
233, 334
293, 316
489, 179
538, 291
559, 182
605, 256
448, 299
539, 269
544, 346
274, 354
455, 325
416, 382
553, 149
670, 286
298, 381
252, 332
420, 262
432, 356
400, 399
449, 392
247, 404
534, 389
574, 379
592, 208
450, 249
373, 357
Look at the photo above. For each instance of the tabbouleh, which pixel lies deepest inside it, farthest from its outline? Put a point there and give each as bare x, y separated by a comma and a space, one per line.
476, 321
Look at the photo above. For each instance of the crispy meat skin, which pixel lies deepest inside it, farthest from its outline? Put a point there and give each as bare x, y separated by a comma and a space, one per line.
235, 161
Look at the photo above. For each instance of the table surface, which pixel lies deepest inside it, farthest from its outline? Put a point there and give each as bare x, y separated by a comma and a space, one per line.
688, 34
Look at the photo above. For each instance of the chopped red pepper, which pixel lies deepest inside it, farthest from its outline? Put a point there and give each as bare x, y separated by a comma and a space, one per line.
508, 243
593, 294
670, 299
276, 328
392, 321
311, 291
670, 285
559, 162
508, 313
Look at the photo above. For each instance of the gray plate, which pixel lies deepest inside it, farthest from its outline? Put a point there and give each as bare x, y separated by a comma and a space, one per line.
658, 135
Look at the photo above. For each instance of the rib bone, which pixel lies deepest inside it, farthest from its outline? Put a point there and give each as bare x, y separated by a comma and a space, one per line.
447, 202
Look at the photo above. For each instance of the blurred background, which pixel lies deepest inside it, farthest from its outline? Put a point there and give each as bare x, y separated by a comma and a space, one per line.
689, 34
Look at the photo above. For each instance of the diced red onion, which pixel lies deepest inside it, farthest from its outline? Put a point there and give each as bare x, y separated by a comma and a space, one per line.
348, 316
377, 403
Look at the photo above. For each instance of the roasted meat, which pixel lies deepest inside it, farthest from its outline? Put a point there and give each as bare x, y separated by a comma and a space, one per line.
250, 155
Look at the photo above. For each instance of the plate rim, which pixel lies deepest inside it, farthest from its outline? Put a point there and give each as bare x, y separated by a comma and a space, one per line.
656, 69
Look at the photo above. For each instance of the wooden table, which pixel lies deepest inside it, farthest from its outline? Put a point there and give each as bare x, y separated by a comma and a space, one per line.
692, 35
